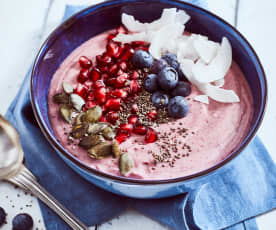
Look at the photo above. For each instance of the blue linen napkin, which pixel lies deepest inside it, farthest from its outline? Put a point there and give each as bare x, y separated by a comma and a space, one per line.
246, 187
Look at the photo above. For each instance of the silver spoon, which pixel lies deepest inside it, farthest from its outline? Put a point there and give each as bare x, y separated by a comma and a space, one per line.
13, 170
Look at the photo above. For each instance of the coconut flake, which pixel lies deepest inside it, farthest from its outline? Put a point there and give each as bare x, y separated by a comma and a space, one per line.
206, 49
128, 38
133, 25
202, 98
219, 83
219, 66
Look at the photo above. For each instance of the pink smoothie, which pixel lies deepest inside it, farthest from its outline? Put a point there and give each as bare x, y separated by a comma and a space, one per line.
213, 130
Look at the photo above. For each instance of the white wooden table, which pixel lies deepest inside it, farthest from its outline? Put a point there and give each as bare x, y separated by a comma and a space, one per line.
23, 25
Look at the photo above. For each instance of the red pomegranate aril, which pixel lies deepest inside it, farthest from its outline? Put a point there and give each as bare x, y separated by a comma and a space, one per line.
142, 48
113, 69
125, 128
120, 93
134, 87
81, 91
134, 75
134, 108
85, 62
89, 105
151, 136
123, 66
88, 84
103, 69
106, 59
121, 80
138, 43
105, 76
127, 54
119, 52
83, 76
95, 74
90, 96
99, 84
120, 72
112, 117
111, 48
152, 115
102, 119
121, 30
100, 95
140, 129
99, 60
113, 104
110, 36
132, 119
121, 137
111, 81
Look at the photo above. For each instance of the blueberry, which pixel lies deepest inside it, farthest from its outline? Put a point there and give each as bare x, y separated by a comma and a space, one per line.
178, 107
160, 99
181, 75
22, 222
182, 89
2, 216
158, 65
142, 59
171, 59
150, 83
167, 78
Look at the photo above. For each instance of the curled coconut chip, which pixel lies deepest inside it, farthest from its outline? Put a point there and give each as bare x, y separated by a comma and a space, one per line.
206, 49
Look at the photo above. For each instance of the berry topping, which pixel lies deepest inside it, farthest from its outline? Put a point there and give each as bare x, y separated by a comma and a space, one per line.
132, 119
112, 117
113, 104
152, 115
182, 89
134, 87
167, 78
121, 80
89, 105
119, 93
81, 91
100, 95
2, 216
85, 62
134, 75
83, 76
95, 74
151, 136
178, 107
121, 137
99, 84
158, 65
126, 128
134, 108
160, 99
127, 53
111, 48
140, 129
150, 83
171, 59
22, 222
142, 59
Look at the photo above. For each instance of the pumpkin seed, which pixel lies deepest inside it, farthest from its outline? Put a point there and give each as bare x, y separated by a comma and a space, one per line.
77, 101
125, 164
116, 149
100, 151
61, 98
78, 131
67, 87
90, 141
79, 118
108, 133
66, 113
96, 127
94, 114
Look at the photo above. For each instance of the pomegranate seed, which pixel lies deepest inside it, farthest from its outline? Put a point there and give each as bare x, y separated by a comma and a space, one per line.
88, 84
151, 136
120, 93
99, 84
103, 69
99, 59
112, 117
138, 43
113, 69
152, 115
111, 81
140, 129
120, 72
123, 66
127, 54
121, 80
95, 74
127, 128
111, 48
106, 59
81, 91
142, 48
90, 96
100, 95
134, 108
134, 75
119, 52
121, 30
113, 104
110, 36
132, 119
121, 137
89, 105
102, 119
83, 76
85, 62
134, 87
105, 76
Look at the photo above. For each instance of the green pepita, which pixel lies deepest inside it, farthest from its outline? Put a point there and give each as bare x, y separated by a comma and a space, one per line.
93, 115
125, 164
108, 133
78, 131
116, 149
61, 98
90, 141
95, 128
66, 113
100, 151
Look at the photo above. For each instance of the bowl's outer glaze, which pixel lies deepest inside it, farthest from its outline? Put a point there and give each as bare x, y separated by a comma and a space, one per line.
105, 16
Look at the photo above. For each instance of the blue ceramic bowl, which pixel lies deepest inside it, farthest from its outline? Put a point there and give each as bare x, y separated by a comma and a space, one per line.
105, 16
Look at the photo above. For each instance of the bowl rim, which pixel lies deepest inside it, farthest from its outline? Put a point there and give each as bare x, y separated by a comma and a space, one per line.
52, 140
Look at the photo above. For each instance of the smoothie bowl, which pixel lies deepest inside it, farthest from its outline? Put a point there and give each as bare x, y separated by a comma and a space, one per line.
147, 99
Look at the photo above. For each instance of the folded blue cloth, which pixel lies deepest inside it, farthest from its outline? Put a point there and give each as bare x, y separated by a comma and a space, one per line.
231, 199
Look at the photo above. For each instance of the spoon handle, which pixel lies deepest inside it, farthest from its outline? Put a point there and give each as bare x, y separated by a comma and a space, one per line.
26, 180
